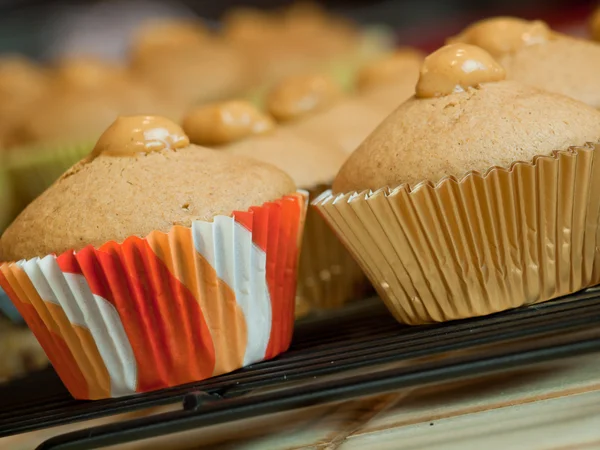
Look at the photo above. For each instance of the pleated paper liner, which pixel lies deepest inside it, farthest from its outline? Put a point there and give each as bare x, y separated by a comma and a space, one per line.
7, 197
7, 214
34, 168
168, 309
328, 276
479, 245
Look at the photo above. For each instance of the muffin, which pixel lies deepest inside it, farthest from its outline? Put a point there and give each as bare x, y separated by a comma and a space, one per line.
301, 38
84, 97
187, 64
156, 35
315, 110
477, 195
148, 237
328, 276
533, 54
389, 80
7, 198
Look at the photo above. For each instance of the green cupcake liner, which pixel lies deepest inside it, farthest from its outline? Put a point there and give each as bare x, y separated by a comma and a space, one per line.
32, 170
7, 198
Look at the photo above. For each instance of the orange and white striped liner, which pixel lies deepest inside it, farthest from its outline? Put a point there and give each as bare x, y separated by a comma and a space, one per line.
168, 309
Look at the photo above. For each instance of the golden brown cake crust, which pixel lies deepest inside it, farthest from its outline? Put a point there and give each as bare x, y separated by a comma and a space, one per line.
112, 198
308, 163
564, 65
495, 124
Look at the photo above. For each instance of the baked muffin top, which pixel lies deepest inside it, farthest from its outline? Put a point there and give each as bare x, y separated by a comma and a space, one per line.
238, 128
465, 116
533, 54
143, 175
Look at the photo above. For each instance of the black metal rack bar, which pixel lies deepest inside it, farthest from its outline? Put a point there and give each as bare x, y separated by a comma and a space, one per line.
214, 412
358, 352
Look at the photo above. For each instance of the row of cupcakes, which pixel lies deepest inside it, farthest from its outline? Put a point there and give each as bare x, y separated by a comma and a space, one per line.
476, 195
328, 276
172, 65
308, 128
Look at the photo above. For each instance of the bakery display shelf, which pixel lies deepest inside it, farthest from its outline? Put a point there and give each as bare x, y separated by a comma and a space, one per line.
358, 352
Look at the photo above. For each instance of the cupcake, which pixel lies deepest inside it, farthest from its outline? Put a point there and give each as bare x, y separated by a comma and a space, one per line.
533, 54
22, 84
187, 64
328, 276
153, 263
315, 110
7, 199
301, 38
84, 97
389, 80
474, 196
158, 35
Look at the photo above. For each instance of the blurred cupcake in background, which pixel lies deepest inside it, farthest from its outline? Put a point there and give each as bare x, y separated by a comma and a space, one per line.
8, 203
91, 76
391, 79
82, 100
328, 276
314, 108
83, 97
187, 64
22, 84
302, 38
532, 53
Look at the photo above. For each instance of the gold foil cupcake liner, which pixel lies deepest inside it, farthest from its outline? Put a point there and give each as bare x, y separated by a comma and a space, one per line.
328, 276
488, 242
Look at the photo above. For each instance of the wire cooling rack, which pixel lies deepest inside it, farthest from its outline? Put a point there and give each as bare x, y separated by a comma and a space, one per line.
359, 352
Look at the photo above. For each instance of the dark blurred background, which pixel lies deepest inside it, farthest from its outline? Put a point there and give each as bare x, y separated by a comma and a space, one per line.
44, 28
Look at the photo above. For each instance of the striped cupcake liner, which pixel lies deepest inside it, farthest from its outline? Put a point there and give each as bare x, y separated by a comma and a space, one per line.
167, 309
